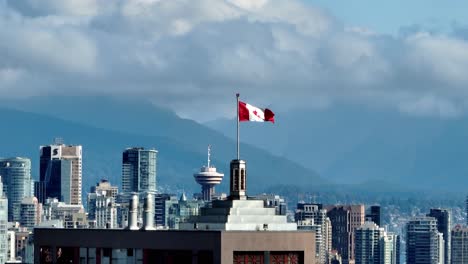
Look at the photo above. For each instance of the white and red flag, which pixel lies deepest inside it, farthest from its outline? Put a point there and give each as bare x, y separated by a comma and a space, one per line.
249, 112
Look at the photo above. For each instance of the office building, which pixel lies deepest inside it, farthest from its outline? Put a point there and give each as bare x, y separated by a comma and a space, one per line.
374, 215
3, 225
390, 249
139, 170
423, 241
208, 178
344, 220
30, 212
167, 246
179, 210
274, 201
60, 173
308, 224
375, 246
443, 217
368, 243
71, 215
160, 218
16, 175
459, 245
310, 211
102, 206
102, 210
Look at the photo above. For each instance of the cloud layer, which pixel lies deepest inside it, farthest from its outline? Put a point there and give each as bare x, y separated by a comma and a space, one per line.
195, 55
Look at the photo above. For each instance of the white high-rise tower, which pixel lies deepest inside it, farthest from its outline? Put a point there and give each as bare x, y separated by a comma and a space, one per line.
3, 224
208, 178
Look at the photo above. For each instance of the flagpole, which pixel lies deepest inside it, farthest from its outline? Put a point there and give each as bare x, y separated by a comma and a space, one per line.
238, 155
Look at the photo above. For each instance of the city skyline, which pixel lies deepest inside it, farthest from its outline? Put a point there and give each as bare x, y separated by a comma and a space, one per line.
339, 131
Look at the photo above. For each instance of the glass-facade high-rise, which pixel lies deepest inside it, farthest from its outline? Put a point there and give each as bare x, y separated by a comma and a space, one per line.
368, 245
443, 218
308, 211
139, 170
60, 173
423, 241
16, 176
3, 225
460, 245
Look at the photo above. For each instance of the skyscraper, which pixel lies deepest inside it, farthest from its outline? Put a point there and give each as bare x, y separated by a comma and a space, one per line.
139, 170
3, 225
374, 215
459, 245
306, 211
344, 220
375, 246
16, 175
422, 241
60, 173
443, 218
368, 243
390, 249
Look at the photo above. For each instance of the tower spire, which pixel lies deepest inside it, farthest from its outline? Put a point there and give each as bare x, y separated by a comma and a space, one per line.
209, 155
208, 178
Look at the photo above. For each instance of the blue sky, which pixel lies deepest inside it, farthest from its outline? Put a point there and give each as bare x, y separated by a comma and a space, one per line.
390, 16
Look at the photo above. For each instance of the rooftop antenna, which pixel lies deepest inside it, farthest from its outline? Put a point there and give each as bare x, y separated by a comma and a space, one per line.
314, 198
58, 141
209, 155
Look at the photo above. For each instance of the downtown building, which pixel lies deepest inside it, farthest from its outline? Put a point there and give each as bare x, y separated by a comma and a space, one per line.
180, 210
309, 216
424, 243
56, 213
102, 206
3, 225
139, 170
459, 245
138, 177
60, 174
443, 217
235, 230
345, 219
30, 212
375, 246
17, 184
374, 215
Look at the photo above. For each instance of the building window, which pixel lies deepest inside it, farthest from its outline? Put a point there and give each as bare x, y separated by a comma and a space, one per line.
243, 179
241, 257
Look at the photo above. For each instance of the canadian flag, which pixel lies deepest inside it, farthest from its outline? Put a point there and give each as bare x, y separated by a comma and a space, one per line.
249, 112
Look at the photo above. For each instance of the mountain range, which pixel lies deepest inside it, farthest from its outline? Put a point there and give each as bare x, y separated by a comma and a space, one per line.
106, 126
349, 147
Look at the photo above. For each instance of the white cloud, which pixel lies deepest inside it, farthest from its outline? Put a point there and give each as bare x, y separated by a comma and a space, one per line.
249, 4
186, 54
430, 105
446, 58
